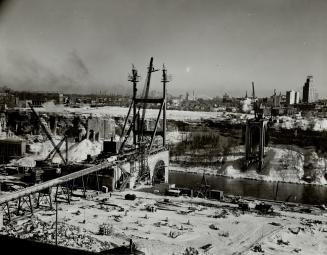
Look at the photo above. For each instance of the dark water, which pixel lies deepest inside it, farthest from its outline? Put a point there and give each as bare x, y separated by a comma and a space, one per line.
306, 194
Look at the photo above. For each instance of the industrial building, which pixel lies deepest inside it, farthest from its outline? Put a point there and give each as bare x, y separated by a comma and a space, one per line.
11, 148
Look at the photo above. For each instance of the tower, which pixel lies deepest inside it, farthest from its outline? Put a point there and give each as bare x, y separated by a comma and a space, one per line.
309, 90
255, 137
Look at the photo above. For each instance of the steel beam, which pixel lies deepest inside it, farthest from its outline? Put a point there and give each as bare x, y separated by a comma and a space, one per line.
54, 182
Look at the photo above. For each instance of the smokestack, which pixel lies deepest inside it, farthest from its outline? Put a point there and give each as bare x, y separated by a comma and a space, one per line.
253, 93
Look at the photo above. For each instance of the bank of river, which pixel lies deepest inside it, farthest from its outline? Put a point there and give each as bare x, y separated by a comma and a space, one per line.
291, 192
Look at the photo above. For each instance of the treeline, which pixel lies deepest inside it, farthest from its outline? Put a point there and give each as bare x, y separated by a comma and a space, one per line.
203, 148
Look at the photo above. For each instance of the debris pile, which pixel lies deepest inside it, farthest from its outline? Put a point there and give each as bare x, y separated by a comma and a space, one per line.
174, 234
68, 235
221, 214
257, 248
105, 229
214, 227
190, 251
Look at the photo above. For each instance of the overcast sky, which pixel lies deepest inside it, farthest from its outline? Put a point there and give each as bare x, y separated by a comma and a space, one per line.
210, 46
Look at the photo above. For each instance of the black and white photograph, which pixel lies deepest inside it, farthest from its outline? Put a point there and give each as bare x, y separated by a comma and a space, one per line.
163, 127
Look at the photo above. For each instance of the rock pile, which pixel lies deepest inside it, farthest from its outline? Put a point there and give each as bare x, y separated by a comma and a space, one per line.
105, 229
68, 236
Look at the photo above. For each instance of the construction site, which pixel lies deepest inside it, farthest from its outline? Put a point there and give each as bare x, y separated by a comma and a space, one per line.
216, 145
137, 158
99, 188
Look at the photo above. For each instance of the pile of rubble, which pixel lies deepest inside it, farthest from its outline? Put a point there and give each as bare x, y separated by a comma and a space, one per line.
68, 236
105, 229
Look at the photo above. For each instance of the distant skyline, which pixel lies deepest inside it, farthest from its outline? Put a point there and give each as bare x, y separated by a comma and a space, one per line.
209, 46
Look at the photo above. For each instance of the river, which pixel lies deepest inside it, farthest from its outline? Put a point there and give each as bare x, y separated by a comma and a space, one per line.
299, 193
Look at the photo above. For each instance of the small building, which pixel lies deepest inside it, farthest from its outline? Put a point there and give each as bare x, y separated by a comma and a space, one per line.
12, 148
111, 146
216, 194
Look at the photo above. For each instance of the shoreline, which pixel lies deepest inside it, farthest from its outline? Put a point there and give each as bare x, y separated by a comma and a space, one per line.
238, 177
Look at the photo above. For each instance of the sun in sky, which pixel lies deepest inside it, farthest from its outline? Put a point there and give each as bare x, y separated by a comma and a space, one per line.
188, 69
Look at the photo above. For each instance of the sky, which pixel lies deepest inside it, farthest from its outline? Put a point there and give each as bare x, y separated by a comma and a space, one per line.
210, 47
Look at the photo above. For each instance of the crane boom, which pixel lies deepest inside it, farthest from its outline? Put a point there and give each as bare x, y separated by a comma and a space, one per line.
146, 95
47, 133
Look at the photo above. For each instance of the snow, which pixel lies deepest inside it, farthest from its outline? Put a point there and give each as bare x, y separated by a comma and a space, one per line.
315, 124
116, 111
187, 223
282, 164
77, 152
285, 122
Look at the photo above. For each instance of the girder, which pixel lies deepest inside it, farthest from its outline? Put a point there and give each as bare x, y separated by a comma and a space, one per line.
54, 182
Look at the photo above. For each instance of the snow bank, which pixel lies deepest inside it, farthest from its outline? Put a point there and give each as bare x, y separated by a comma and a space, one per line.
315, 124
76, 152
79, 151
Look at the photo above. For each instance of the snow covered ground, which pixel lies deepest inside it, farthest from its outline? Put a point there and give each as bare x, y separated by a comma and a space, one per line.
315, 124
116, 111
77, 152
286, 122
178, 225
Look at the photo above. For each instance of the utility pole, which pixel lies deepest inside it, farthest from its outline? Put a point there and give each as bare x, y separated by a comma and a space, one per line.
164, 96
134, 78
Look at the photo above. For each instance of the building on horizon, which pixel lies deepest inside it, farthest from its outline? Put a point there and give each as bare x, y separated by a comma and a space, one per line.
276, 99
292, 97
297, 97
309, 93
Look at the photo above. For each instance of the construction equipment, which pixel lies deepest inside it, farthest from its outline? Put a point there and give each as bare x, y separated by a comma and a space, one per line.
203, 188
124, 178
56, 148
141, 142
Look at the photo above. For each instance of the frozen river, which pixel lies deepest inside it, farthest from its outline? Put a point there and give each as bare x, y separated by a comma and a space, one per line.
300, 193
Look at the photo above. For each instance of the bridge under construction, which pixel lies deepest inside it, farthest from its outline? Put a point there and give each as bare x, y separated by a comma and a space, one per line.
122, 164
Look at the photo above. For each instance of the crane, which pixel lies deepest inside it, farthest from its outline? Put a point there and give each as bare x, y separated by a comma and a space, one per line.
56, 148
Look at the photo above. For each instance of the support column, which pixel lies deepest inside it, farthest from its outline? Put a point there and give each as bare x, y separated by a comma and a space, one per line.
30, 203
8, 211
84, 189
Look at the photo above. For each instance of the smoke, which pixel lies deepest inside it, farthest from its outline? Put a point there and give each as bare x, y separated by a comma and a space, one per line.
24, 72
246, 105
78, 65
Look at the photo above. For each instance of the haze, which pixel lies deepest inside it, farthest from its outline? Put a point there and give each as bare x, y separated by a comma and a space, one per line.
209, 46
